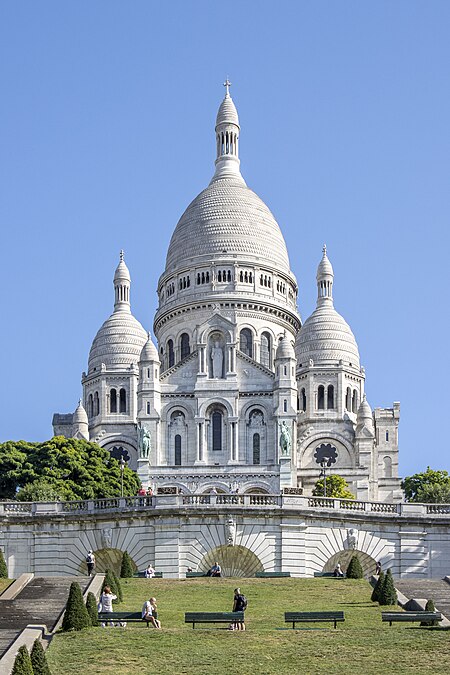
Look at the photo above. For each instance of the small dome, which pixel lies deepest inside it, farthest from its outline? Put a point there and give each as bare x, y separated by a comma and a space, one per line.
227, 113
364, 410
80, 415
325, 268
149, 351
118, 343
285, 349
122, 272
326, 337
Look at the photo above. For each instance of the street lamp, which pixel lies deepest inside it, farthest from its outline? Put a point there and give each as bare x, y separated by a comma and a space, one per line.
122, 468
323, 474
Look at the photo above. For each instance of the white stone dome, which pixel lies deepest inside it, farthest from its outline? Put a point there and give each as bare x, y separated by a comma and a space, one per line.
227, 113
118, 343
149, 351
285, 349
80, 415
227, 219
326, 337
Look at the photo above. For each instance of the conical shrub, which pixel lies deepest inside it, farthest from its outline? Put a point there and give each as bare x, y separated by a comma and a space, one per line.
429, 607
118, 586
76, 616
38, 659
388, 594
126, 570
3, 566
91, 606
377, 588
112, 581
354, 569
22, 663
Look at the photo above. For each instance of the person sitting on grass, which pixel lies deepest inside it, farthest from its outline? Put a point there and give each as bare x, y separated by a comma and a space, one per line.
149, 613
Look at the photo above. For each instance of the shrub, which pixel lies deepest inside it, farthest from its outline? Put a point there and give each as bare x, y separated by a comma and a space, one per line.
126, 570
354, 569
3, 567
91, 606
118, 586
388, 594
112, 581
429, 607
39, 660
377, 588
76, 616
22, 663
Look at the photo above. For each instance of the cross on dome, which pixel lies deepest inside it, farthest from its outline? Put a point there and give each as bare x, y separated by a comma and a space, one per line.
227, 84
121, 254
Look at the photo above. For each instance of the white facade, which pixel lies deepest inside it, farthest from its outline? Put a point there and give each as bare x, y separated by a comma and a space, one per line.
237, 395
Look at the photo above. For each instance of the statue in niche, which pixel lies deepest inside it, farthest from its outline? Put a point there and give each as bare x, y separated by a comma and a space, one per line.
178, 420
217, 359
257, 419
144, 441
352, 537
285, 440
107, 537
231, 532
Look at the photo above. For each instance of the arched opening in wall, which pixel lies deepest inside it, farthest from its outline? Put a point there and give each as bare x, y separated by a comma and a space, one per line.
303, 399
90, 410
235, 561
266, 350
185, 346
216, 423
387, 467
177, 450
96, 404
355, 401
170, 354
106, 558
256, 449
330, 397
368, 563
246, 341
148, 408
321, 398
113, 401
348, 399
257, 491
123, 401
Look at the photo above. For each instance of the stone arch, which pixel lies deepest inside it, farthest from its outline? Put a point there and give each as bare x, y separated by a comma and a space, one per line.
346, 453
235, 561
257, 488
106, 558
121, 445
343, 557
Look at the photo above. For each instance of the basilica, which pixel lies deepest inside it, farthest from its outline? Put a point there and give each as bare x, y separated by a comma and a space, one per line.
235, 393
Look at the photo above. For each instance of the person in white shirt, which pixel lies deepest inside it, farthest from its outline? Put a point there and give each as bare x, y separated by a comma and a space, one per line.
149, 613
105, 603
149, 572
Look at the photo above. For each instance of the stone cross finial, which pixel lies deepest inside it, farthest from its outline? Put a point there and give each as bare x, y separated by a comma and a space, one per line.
324, 249
227, 84
121, 255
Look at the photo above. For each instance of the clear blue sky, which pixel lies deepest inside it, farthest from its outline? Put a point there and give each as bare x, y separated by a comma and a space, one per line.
107, 133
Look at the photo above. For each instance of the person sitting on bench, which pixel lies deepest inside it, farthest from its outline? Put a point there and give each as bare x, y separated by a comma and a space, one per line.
338, 571
150, 614
215, 571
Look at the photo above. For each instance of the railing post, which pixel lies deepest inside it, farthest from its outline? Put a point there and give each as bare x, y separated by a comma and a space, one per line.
90, 505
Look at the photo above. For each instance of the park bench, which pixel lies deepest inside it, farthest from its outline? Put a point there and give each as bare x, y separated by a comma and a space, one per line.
313, 617
141, 575
410, 616
268, 575
129, 617
328, 575
213, 617
191, 575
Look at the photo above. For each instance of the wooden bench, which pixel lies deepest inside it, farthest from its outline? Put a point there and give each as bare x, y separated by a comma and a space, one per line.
328, 575
313, 617
269, 575
141, 575
129, 617
213, 617
192, 575
410, 616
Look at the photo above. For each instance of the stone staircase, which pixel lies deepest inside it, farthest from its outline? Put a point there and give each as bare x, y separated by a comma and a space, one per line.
40, 602
437, 590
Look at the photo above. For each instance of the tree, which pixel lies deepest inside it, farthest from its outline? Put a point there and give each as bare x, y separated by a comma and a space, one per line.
3, 566
118, 586
91, 606
429, 607
430, 486
22, 663
61, 468
112, 581
337, 487
126, 569
76, 616
388, 594
377, 589
354, 569
39, 660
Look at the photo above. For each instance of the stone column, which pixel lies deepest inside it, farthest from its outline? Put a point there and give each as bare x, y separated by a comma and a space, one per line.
234, 451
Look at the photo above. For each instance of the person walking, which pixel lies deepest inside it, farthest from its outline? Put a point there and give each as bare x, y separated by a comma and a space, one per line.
90, 562
150, 613
239, 605
105, 603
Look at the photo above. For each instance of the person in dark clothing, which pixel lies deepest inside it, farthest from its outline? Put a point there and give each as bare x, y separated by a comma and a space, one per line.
239, 605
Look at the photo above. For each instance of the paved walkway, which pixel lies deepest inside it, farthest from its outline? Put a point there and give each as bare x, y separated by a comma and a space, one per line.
428, 589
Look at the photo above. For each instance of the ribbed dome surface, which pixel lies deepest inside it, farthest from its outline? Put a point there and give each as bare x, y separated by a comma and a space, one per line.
326, 336
227, 113
80, 415
118, 343
285, 350
227, 218
149, 351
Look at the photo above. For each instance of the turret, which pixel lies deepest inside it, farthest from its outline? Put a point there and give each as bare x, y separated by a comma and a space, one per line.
80, 423
227, 138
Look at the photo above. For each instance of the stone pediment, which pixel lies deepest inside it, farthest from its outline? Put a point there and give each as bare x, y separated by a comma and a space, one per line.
248, 369
184, 370
218, 322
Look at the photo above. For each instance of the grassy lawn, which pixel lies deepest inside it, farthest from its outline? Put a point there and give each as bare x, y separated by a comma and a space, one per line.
360, 645
4, 583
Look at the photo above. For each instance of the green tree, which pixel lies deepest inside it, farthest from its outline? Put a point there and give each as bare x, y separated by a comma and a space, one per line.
22, 663
118, 586
112, 581
39, 660
13, 467
354, 569
126, 569
388, 594
377, 588
337, 487
76, 616
3, 566
429, 607
91, 606
430, 486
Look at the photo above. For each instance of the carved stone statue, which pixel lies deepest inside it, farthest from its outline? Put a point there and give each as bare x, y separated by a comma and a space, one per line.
285, 440
217, 359
144, 441
231, 532
107, 537
352, 537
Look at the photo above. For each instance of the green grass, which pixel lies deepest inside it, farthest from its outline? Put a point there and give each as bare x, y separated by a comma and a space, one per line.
360, 645
4, 583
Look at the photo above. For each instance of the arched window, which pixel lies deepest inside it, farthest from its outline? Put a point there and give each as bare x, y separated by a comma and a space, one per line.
303, 399
266, 350
177, 450
113, 401
348, 399
216, 419
246, 341
256, 449
330, 397
355, 401
90, 405
321, 397
185, 346
123, 401
170, 354
96, 404
387, 467
285, 405
148, 408
387, 436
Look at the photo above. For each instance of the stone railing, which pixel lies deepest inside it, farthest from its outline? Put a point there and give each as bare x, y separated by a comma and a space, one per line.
198, 501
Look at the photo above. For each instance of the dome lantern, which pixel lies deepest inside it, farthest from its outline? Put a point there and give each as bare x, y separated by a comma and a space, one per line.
122, 283
227, 138
325, 276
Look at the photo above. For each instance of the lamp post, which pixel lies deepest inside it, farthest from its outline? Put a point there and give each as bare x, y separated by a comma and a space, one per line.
323, 474
122, 468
